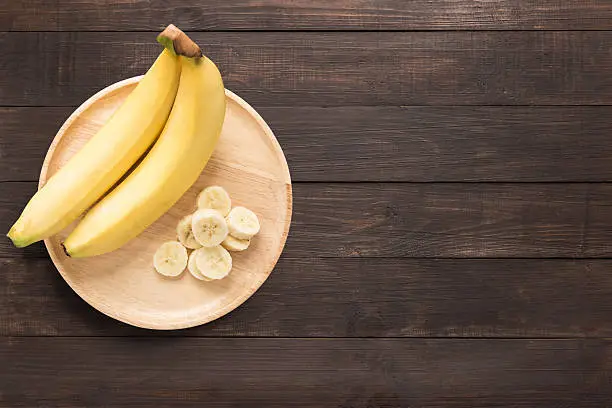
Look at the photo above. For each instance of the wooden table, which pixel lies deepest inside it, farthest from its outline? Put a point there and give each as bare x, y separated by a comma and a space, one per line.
452, 233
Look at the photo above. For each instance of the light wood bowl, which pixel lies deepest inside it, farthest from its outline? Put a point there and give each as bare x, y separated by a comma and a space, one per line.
248, 162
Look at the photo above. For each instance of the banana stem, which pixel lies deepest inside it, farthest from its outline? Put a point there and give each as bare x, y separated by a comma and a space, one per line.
175, 40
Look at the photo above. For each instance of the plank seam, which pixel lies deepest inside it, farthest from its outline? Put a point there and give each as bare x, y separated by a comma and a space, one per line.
416, 258
183, 335
303, 31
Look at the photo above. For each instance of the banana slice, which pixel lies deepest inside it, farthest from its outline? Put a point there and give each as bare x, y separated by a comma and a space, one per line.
215, 198
242, 223
185, 234
192, 266
214, 263
170, 259
234, 244
209, 227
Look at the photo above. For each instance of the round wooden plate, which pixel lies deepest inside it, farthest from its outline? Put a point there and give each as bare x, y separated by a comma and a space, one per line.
248, 162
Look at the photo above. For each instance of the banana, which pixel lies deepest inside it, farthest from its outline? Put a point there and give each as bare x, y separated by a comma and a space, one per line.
242, 223
209, 227
216, 198
172, 165
170, 259
185, 233
234, 244
106, 157
193, 267
214, 263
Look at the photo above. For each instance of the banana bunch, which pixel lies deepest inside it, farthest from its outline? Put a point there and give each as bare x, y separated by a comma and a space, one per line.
178, 108
213, 230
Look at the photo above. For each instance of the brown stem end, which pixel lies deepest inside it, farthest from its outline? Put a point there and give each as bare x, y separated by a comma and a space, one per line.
64, 248
175, 40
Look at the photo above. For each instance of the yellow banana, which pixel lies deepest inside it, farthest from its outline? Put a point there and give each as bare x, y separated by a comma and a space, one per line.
167, 171
106, 157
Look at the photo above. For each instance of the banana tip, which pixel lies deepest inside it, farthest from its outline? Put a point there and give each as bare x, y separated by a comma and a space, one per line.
65, 250
19, 243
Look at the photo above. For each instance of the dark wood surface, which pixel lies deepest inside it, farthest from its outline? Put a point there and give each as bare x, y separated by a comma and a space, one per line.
179, 372
356, 297
423, 220
451, 243
329, 15
329, 68
408, 144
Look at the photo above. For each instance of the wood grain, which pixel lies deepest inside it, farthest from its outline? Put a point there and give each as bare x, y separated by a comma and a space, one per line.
424, 220
328, 69
304, 372
416, 144
452, 220
353, 298
29, 15
154, 15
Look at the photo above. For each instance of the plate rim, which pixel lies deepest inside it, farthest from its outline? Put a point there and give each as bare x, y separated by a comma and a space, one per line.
186, 323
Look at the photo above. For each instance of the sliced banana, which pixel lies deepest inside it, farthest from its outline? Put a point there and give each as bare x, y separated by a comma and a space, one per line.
209, 227
242, 223
192, 266
185, 233
214, 263
170, 259
235, 244
215, 198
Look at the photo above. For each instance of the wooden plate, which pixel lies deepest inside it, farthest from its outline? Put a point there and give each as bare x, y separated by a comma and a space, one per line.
248, 162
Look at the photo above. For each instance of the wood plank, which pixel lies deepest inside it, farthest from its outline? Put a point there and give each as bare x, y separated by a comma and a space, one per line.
152, 15
423, 220
29, 15
328, 69
415, 144
354, 298
122, 372
25, 136
452, 220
